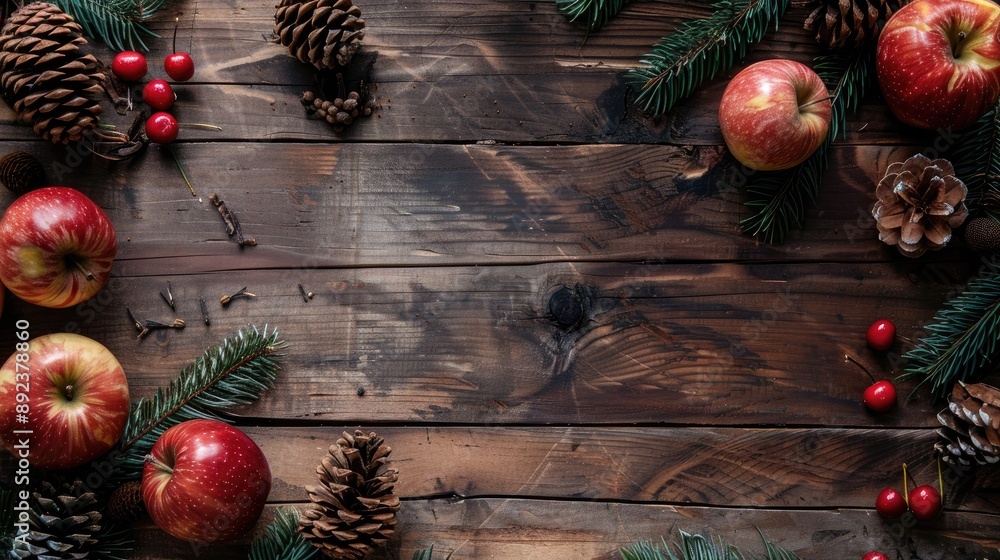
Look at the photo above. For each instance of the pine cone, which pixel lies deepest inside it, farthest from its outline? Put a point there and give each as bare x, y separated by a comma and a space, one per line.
354, 507
919, 203
971, 425
45, 77
323, 33
125, 503
64, 521
21, 172
850, 23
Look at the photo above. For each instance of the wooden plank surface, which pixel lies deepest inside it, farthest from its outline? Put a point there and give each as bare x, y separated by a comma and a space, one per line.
543, 292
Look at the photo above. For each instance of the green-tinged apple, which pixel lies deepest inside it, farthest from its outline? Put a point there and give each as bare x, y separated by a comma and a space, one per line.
205, 481
774, 114
56, 247
938, 62
73, 402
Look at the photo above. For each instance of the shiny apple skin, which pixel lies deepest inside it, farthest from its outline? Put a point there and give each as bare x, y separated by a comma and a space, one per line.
219, 482
65, 432
774, 114
924, 84
41, 230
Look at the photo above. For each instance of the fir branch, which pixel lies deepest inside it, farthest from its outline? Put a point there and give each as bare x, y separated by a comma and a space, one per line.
780, 198
595, 12
699, 49
426, 553
119, 23
976, 157
281, 539
962, 336
236, 372
113, 543
698, 547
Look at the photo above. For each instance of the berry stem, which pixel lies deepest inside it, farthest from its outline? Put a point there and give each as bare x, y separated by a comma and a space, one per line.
940, 478
199, 125
176, 25
863, 368
906, 491
181, 169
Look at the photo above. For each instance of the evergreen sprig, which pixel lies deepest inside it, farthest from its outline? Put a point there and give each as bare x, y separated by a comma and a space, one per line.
698, 547
780, 198
976, 157
119, 23
281, 539
235, 372
962, 336
699, 49
596, 13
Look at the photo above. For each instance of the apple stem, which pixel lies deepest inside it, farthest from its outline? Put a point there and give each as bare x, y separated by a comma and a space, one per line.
863, 368
89, 275
159, 464
68, 391
958, 44
815, 101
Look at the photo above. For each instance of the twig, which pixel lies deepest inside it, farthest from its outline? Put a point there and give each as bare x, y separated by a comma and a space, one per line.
148, 326
169, 297
232, 222
204, 311
243, 293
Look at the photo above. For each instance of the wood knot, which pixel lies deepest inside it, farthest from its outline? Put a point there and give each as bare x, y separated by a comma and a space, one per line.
569, 307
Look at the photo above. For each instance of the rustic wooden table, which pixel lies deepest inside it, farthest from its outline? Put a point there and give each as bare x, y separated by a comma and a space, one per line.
694, 378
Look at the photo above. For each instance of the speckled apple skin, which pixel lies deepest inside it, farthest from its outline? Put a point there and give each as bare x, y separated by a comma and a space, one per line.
65, 433
37, 232
923, 83
218, 487
761, 119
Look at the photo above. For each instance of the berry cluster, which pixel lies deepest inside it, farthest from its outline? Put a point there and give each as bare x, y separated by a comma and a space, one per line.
130, 66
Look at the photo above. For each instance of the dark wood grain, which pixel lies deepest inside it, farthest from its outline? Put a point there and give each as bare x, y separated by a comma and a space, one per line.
558, 530
707, 344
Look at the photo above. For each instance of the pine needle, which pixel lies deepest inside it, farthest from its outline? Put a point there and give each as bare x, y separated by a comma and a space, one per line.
425, 553
976, 157
780, 198
119, 23
698, 547
699, 49
7, 517
235, 372
281, 539
962, 337
595, 12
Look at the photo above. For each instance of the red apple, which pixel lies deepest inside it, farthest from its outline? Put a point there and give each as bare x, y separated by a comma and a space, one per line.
75, 401
938, 62
205, 481
774, 114
56, 247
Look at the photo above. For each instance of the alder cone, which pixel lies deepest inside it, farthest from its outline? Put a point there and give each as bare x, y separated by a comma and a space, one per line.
21, 172
322, 33
45, 77
354, 508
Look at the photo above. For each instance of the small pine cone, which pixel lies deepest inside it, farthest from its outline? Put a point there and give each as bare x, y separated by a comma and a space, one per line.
850, 23
354, 507
64, 522
970, 431
323, 33
45, 76
21, 172
125, 503
919, 203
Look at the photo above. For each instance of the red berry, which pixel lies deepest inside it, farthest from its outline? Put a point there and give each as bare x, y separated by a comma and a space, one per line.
881, 334
179, 66
925, 502
161, 128
158, 94
880, 396
890, 504
875, 556
129, 66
